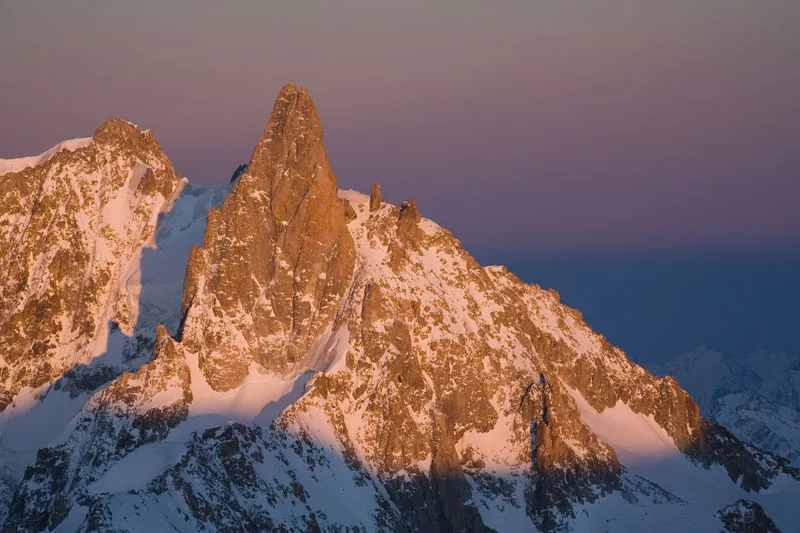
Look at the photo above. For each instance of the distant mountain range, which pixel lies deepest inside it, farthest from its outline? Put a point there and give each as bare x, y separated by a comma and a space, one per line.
756, 396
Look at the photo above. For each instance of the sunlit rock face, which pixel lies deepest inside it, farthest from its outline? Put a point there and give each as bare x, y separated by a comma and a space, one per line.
756, 395
94, 239
277, 256
72, 230
342, 364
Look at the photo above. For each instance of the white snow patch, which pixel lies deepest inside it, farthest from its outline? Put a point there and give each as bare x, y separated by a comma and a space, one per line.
498, 512
636, 438
646, 450
260, 399
354, 197
241, 404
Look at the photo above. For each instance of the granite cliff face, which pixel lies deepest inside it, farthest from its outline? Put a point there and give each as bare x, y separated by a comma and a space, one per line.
277, 256
342, 364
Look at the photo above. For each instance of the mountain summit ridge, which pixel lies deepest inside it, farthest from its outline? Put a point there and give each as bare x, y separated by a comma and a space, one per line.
295, 256
338, 363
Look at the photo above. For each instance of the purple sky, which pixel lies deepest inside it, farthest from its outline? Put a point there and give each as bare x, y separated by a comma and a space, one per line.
521, 124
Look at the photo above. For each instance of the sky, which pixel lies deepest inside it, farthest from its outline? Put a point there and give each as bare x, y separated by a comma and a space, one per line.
659, 304
531, 129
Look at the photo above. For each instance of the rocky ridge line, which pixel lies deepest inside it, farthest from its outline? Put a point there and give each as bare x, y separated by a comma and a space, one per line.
69, 229
277, 255
446, 393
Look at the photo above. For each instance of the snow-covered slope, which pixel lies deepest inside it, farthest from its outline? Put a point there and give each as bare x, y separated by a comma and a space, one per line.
102, 257
337, 363
21, 163
647, 451
756, 396
73, 230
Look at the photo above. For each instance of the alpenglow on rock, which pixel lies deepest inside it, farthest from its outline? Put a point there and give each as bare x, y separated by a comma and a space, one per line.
342, 364
70, 229
375, 198
277, 256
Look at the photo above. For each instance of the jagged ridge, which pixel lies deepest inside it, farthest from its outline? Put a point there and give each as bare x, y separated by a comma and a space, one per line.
447, 396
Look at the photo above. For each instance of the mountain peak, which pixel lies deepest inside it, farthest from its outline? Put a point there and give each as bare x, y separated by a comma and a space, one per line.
293, 136
116, 128
293, 115
293, 253
119, 134
290, 88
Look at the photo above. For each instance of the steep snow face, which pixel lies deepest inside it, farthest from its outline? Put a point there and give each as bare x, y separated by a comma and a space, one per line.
636, 438
756, 396
21, 163
645, 449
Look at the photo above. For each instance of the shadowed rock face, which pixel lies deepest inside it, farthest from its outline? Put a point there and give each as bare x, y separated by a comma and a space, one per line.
277, 255
745, 516
68, 229
115, 421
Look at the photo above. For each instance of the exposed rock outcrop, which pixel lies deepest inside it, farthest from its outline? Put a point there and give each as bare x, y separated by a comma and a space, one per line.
277, 256
115, 422
745, 516
238, 172
69, 229
375, 198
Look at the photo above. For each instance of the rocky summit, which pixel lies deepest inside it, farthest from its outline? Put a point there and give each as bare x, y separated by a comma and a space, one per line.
277, 354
